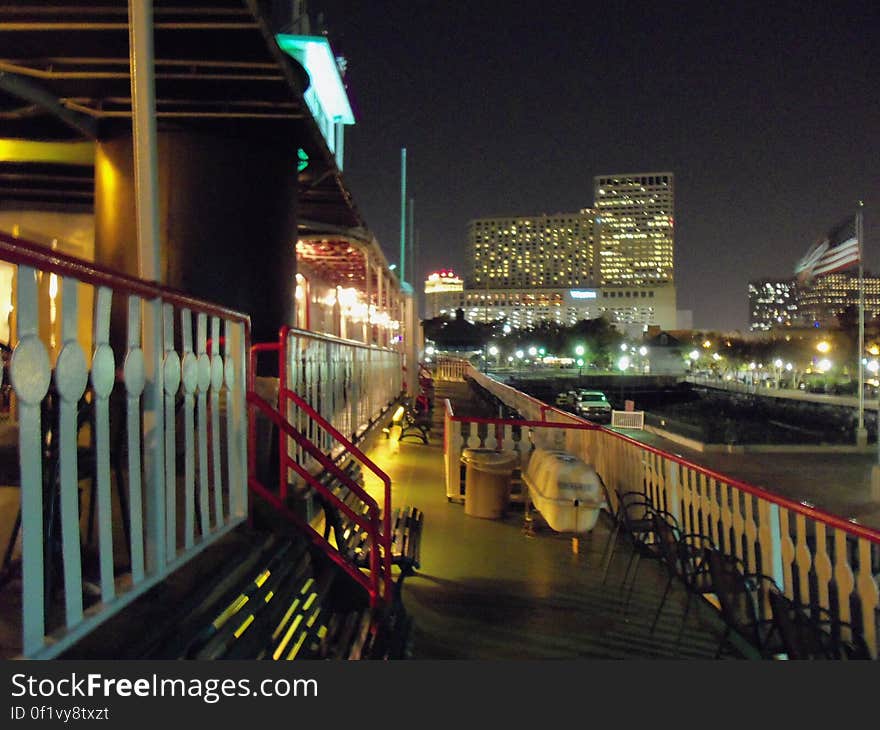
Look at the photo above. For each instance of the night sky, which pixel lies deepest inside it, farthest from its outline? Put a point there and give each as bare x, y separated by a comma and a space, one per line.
768, 114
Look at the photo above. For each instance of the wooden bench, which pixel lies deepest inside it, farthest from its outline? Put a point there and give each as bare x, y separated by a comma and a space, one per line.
353, 540
413, 423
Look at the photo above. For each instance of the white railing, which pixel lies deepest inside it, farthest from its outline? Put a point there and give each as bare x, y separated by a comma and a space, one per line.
519, 437
348, 383
813, 556
628, 419
168, 387
450, 368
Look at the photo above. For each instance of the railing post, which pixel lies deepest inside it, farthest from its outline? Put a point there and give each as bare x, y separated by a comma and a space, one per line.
452, 438
673, 496
770, 540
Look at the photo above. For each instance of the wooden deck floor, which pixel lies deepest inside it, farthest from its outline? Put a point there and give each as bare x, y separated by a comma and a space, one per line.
488, 590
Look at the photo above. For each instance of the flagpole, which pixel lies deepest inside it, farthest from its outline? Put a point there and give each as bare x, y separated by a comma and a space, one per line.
861, 432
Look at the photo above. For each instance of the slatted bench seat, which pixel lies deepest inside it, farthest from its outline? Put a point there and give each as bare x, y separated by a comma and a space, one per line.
413, 423
353, 541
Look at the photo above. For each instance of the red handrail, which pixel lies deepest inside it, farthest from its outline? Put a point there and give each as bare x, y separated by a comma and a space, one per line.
814, 513
381, 538
289, 395
25, 253
371, 584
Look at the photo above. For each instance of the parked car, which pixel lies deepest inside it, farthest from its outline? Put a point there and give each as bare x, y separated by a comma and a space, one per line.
567, 398
594, 406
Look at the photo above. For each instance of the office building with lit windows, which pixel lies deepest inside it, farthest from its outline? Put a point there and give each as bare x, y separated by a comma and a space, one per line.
527, 269
634, 236
530, 252
772, 304
830, 295
632, 309
780, 303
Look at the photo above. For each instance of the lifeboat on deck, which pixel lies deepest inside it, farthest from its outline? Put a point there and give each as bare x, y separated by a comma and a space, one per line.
564, 489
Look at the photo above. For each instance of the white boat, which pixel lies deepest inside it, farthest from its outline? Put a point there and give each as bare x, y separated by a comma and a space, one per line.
564, 489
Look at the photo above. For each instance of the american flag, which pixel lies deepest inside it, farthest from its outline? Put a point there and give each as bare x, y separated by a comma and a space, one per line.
837, 250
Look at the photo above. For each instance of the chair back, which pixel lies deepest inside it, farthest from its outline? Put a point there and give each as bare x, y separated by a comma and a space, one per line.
814, 634
667, 542
736, 600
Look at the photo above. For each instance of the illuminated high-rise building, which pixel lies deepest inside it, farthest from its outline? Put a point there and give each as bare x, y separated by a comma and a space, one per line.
444, 293
634, 238
773, 304
526, 269
831, 295
780, 303
527, 252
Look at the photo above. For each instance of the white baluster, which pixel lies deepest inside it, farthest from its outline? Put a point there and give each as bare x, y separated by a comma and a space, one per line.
204, 381
103, 379
843, 575
71, 376
866, 585
803, 558
787, 551
216, 385
171, 379
822, 564
751, 531
235, 431
189, 369
739, 526
135, 378
30, 375
770, 540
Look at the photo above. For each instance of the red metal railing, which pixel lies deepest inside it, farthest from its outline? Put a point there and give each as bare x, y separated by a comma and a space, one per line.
785, 534
378, 524
370, 584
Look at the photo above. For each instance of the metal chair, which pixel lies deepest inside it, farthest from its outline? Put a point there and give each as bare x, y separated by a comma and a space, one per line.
813, 633
632, 517
685, 556
743, 603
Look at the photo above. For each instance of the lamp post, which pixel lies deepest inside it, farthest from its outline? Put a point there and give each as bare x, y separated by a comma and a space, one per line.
579, 350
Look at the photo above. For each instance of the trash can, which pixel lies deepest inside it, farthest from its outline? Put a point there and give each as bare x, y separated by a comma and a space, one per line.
487, 481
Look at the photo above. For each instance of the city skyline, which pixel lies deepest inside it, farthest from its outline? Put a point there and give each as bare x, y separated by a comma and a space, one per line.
767, 116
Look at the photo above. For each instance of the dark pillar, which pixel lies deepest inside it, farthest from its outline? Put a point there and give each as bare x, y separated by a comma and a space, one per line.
227, 219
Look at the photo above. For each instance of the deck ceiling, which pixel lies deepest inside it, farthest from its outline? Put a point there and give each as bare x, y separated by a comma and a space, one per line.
339, 261
64, 75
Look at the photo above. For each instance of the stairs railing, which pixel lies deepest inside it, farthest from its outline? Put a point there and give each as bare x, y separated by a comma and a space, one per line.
376, 523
